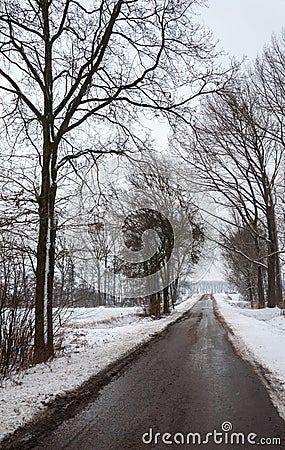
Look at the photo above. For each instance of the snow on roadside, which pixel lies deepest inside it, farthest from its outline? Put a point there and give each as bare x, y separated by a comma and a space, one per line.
102, 315
259, 336
92, 338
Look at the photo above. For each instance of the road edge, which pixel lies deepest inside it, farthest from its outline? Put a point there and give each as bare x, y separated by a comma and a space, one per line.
273, 385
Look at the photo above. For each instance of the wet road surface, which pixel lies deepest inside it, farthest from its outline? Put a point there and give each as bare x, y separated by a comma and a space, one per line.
189, 381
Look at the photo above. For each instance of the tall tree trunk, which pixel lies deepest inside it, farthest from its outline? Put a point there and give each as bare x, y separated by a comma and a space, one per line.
174, 291
271, 275
40, 351
279, 291
260, 288
43, 340
260, 284
279, 294
154, 305
50, 275
274, 276
166, 300
249, 286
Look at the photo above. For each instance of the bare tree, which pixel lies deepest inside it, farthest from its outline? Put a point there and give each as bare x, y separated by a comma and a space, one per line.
157, 183
269, 79
240, 251
239, 161
75, 77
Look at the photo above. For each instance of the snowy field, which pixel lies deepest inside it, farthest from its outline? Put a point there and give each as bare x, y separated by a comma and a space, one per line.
90, 339
258, 336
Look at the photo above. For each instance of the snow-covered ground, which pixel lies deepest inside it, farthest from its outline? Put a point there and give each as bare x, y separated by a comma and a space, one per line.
259, 336
91, 338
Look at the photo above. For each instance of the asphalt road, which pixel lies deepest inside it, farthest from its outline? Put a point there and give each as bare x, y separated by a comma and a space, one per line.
188, 381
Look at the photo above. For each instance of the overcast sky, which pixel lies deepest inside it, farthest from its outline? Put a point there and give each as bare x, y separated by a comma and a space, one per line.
244, 26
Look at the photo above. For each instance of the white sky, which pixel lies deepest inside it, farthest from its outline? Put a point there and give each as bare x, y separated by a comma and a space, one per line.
244, 26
